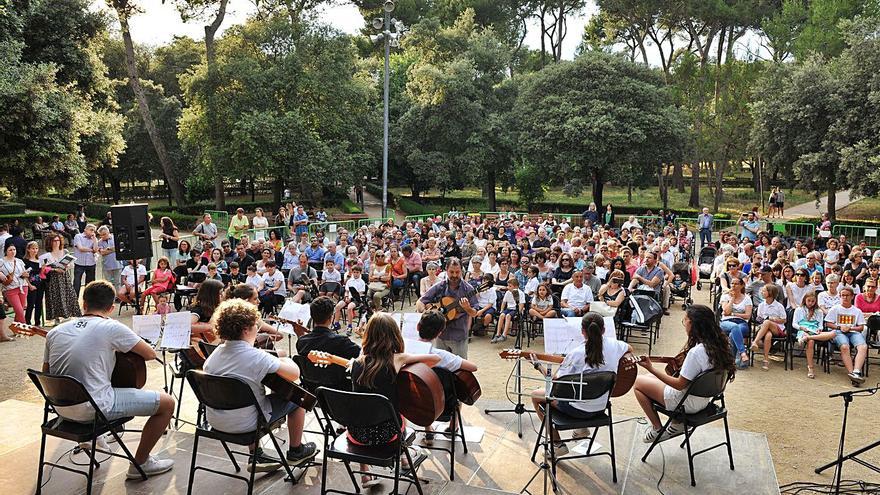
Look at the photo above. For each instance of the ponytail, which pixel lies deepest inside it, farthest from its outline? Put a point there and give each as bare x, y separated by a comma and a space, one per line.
593, 327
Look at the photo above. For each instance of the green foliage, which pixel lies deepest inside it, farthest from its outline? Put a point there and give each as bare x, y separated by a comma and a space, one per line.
413, 208
350, 207
530, 184
11, 208
65, 206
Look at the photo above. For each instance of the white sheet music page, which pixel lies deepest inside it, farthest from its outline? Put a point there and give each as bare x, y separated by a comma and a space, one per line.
147, 327
610, 327
295, 312
411, 346
178, 327
409, 328
560, 334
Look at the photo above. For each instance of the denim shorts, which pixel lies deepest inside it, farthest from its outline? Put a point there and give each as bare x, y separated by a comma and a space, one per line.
565, 407
852, 339
133, 402
508, 311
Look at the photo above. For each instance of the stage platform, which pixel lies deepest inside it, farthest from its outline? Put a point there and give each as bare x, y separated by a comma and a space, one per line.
499, 463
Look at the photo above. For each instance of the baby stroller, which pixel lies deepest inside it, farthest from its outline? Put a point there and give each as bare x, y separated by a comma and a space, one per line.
705, 261
681, 287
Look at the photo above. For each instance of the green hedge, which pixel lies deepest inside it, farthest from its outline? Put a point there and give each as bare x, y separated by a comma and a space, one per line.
350, 207
11, 208
184, 222
66, 206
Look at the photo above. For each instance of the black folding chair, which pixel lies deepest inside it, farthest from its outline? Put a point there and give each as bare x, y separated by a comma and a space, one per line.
63, 391
353, 409
709, 384
227, 393
451, 414
576, 388
312, 377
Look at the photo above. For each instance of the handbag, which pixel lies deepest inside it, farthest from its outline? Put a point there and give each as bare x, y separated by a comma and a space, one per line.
378, 286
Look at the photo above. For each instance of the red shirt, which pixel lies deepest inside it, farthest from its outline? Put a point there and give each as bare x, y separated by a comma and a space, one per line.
865, 306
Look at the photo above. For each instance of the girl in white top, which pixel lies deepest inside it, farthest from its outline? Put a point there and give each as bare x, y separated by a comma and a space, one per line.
14, 278
542, 303
771, 316
707, 348
831, 256
354, 280
260, 222
808, 322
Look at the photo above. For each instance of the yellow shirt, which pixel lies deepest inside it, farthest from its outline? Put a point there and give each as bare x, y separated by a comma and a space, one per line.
237, 226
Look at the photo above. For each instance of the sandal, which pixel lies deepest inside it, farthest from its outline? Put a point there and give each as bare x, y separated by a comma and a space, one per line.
754, 347
369, 480
810, 373
765, 365
744, 357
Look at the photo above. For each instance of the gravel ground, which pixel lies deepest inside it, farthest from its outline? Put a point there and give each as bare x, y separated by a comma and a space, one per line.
801, 422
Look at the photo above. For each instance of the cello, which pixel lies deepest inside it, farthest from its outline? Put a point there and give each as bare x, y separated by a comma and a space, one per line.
419, 390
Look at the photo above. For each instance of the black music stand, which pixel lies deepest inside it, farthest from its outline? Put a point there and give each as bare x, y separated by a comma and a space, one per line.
544, 466
519, 408
852, 456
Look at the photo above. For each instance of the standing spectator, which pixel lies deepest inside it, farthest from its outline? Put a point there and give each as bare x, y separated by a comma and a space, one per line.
771, 211
780, 202
591, 215
704, 223
107, 249
750, 226
238, 224
35, 285
85, 246
14, 277
823, 231
170, 237
61, 300
4, 234
17, 239
81, 219
301, 221
206, 230
260, 223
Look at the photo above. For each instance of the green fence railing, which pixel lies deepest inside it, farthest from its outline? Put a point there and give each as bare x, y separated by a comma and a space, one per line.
858, 233
420, 218
220, 217
331, 228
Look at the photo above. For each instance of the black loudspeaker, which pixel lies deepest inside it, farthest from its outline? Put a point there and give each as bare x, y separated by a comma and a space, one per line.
131, 232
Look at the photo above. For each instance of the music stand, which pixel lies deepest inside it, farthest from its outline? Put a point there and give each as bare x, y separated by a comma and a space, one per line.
544, 466
519, 408
852, 456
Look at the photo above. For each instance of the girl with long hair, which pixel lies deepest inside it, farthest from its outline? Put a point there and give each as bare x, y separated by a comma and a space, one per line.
61, 300
375, 371
170, 237
808, 322
707, 348
596, 353
542, 303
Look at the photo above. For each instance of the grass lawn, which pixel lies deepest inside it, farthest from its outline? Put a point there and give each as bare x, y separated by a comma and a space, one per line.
735, 200
863, 209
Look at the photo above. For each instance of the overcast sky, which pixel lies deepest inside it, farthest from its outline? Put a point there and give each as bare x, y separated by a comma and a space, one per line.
161, 22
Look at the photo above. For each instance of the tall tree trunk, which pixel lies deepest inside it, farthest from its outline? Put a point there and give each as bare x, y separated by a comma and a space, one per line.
242, 186
661, 182
277, 187
211, 58
123, 10
678, 176
694, 200
490, 188
253, 190
832, 203
719, 180
598, 185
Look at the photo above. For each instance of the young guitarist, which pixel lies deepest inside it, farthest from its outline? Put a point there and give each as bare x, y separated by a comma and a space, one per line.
237, 322
598, 353
430, 326
85, 348
321, 338
454, 336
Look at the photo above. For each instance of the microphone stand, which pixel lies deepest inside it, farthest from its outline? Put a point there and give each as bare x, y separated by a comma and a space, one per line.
841, 458
545, 466
519, 408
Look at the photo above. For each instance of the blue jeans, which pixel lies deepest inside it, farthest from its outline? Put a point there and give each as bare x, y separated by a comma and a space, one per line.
397, 283
736, 329
853, 339
705, 237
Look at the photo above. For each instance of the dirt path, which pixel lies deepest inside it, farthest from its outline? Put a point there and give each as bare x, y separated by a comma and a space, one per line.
810, 210
373, 206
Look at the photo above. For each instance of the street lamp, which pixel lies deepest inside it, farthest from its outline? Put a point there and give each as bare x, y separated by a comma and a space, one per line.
390, 39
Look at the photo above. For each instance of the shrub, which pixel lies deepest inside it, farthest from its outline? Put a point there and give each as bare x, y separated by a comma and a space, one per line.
412, 207
11, 208
184, 222
66, 206
350, 207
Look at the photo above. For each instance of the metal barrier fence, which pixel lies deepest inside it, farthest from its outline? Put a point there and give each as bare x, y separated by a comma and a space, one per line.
220, 217
419, 218
331, 227
366, 222
857, 233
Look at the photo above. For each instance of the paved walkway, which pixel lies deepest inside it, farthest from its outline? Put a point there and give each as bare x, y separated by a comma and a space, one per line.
810, 210
373, 206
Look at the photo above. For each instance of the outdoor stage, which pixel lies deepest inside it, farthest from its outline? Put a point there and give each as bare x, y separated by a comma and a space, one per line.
498, 464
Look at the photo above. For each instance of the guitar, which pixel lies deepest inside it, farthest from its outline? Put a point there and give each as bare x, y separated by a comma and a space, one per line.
627, 369
419, 390
467, 388
130, 370
290, 391
451, 306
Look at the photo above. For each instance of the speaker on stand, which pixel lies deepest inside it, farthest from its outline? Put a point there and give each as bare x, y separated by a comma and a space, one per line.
131, 236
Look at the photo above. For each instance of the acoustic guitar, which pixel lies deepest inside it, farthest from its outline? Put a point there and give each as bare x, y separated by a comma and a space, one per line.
419, 391
467, 388
450, 306
627, 369
290, 391
130, 370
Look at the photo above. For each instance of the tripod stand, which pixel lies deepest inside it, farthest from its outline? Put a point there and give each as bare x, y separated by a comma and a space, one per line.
852, 456
545, 466
519, 408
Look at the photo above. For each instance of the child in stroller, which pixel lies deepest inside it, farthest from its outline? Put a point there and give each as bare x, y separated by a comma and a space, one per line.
681, 284
705, 263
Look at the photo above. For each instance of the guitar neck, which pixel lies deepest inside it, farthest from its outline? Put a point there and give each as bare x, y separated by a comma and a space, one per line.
323, 358
550, 358
27, 330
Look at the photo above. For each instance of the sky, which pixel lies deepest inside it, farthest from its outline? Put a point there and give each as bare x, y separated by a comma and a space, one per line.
161, 22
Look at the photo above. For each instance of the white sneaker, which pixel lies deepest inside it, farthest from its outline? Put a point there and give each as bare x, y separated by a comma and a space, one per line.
152, 467
673, 430
101, 444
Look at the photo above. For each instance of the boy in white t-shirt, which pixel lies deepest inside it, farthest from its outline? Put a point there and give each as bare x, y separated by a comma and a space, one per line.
329, 275
486, 301
354, 281
430, 326
772, 317
512, 304
848, 323
253, 279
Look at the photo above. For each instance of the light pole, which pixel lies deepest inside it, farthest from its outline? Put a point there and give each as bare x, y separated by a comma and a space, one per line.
390, 40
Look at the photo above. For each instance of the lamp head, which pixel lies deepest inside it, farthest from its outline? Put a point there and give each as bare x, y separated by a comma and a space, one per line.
389, 6
377, 38
377, 23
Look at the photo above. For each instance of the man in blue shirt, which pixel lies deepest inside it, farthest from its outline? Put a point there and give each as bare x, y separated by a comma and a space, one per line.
300, 221
750, 227
315, 253
334, 255
704, 223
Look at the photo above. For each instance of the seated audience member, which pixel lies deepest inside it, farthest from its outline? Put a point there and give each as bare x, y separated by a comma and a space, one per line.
771, 316
127, 289
237, 322
808, 322
576, 297
331, 280
848, 322
542, 303
300, 278
487, 301
512, 305
252, 278
736, 312
353, 280
272, 290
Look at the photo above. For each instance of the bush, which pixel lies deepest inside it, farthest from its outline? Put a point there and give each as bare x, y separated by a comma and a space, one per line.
11, 208
184, 223
414, 208
350, 207
66, 206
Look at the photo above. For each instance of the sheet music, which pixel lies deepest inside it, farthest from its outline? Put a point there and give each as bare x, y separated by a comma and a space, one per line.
416, 346
560, 334
147, 327
409, 328
176, 333
295, 312
610, 327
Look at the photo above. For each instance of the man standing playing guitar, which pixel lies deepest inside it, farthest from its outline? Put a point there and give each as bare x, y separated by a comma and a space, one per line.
85, 348
454, 336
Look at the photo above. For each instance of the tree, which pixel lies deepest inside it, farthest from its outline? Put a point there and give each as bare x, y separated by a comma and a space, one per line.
124, 10
589, 117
